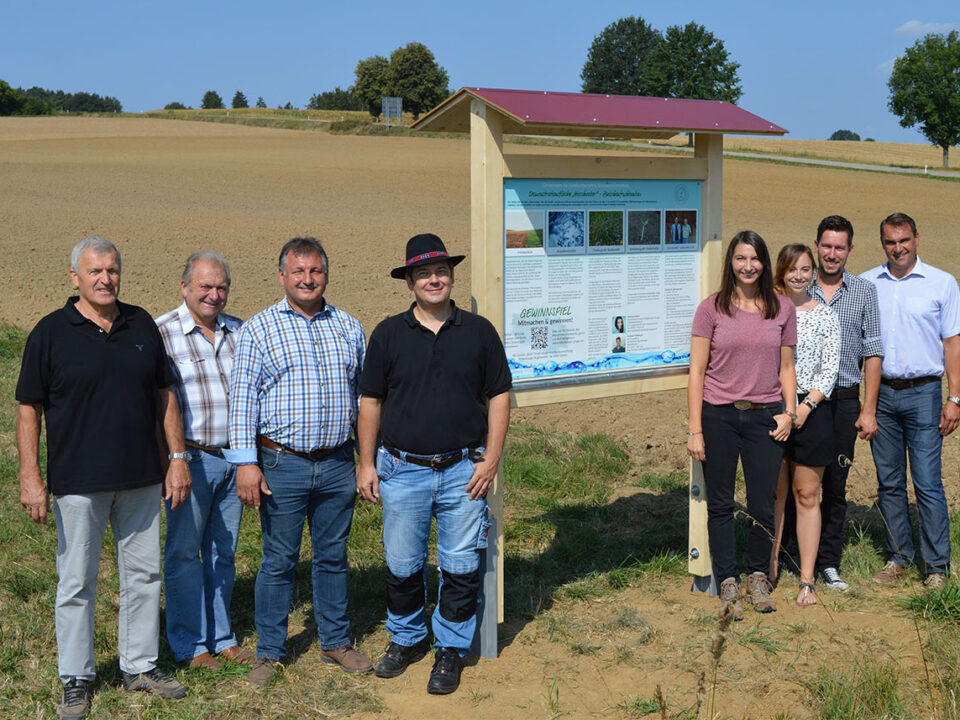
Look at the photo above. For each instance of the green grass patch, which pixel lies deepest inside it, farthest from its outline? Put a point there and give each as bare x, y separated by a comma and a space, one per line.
867, 691
663, 482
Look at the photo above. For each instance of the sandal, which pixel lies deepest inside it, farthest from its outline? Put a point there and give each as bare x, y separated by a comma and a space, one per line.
807, 595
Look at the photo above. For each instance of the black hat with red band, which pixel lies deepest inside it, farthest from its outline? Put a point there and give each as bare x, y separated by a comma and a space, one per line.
422, 250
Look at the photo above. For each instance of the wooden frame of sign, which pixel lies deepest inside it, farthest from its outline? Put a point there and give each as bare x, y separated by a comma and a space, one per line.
489, 166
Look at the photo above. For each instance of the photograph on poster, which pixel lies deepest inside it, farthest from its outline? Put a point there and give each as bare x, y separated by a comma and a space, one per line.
606, 231
682, 229
605, 297
523, 229
644, 230
566, 231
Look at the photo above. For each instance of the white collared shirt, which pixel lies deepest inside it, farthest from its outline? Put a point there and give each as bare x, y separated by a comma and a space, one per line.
916, 313
202, 369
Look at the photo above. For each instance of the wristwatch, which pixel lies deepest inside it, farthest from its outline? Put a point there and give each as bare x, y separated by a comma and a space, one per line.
180, 456
955, 399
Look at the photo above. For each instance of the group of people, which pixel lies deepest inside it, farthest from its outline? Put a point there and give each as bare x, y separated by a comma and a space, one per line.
777, 358
208, 413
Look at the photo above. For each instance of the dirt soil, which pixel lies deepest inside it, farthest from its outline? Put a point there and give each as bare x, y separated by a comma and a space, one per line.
163, 189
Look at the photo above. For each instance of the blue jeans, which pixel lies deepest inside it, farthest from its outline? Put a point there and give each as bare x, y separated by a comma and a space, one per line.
198, 560
412, 495
322, 494
909, 421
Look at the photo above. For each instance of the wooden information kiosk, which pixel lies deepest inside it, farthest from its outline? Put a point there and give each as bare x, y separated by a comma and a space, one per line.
590, 266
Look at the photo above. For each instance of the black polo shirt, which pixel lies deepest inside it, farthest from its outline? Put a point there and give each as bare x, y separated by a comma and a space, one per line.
99, 395
434, 387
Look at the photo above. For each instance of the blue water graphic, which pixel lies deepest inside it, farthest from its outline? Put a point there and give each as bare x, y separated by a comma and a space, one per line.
624, 361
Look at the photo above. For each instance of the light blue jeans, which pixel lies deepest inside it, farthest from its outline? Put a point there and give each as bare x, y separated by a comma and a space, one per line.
909, 421
134, 516
198, 560
412, 495
322, 494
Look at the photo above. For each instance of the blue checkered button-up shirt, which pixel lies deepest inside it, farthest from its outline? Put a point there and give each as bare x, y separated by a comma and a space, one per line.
294, 380
855, 303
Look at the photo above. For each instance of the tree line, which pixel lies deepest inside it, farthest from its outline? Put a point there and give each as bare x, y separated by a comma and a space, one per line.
39, 101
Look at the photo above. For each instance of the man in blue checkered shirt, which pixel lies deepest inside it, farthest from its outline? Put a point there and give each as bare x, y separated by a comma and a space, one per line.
293, 408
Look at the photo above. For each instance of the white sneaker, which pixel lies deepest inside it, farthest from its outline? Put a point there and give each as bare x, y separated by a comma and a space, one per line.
833, 580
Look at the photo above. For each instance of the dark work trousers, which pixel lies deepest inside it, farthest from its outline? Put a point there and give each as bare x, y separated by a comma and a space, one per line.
833, 500
728, 435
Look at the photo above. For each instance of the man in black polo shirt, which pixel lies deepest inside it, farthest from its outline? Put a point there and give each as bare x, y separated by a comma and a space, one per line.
97, 369
435, 384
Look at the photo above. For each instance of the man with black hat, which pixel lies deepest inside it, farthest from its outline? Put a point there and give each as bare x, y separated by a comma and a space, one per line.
435, 385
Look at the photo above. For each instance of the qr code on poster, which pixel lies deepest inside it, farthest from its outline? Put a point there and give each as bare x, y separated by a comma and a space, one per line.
538, 338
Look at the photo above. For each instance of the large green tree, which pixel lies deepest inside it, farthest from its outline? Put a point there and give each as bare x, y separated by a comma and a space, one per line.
618, 58
692, 62
415, 75
11, 99
371, 82
925, 89
239, 100
211, 101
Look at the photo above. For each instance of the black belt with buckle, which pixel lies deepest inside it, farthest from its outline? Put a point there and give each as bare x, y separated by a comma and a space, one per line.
313, 455
434, 462
212, 449
846, 393
747, 405
911, 382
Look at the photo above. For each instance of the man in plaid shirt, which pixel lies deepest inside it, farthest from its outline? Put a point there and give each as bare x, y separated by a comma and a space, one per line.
293, 408
202, 533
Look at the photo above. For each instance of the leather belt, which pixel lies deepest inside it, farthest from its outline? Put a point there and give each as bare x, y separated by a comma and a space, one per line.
313, 455
212, 449
898, 384
434, 462
846, 393
747, 405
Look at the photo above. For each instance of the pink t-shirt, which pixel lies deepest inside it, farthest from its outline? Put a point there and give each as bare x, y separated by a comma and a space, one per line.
744, 359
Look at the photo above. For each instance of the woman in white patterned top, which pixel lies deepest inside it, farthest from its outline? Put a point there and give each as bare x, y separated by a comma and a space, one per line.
810, 446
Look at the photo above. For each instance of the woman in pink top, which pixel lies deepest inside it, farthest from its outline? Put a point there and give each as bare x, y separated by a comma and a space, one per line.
741, 378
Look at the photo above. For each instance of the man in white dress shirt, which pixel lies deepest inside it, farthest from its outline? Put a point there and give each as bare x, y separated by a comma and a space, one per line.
920, 325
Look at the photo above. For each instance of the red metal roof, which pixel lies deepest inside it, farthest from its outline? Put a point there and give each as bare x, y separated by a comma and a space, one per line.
539, 112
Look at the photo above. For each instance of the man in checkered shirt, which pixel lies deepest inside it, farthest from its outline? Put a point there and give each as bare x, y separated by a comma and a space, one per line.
202, 533
293, 408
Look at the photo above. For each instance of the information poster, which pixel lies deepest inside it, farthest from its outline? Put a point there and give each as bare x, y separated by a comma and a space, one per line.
601, 277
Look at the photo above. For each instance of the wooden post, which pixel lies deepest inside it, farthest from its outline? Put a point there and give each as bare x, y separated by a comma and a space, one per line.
709, 148
486, 280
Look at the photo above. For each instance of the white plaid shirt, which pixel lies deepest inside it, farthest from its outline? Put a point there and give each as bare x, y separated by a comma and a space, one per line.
202, 371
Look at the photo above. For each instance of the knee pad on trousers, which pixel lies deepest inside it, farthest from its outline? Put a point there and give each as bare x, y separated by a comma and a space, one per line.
458, 595
405, 595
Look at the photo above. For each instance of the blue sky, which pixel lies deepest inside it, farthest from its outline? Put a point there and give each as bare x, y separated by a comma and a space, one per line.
811, 67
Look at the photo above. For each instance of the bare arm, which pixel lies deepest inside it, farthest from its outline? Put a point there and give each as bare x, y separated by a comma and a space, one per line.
177, 482
950, 415
699, 356
484, 472
368, 425
33, 493
867, 421
788, 385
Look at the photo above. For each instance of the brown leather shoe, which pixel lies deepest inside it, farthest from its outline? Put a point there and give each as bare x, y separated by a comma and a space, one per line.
238, 655
935, 581
758, 593
263, 671
891, 572
730, 595
205, 660
348, 658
